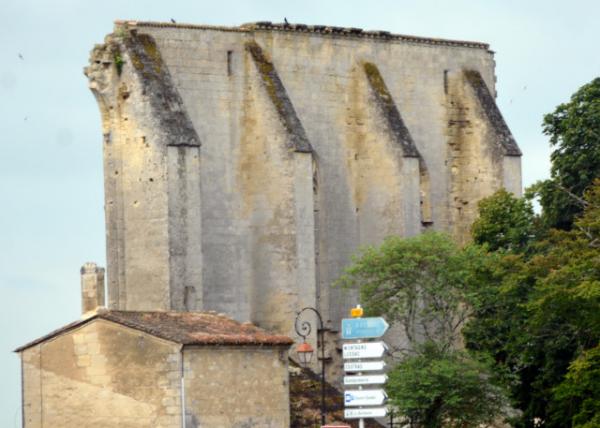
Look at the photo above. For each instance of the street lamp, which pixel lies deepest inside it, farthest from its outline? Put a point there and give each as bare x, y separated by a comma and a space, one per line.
305, 351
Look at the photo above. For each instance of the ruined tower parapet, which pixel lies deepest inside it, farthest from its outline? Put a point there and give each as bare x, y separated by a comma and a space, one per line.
151, 176
245, 165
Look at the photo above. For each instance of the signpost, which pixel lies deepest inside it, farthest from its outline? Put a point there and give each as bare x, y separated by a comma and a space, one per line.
365, 380
364, 366
358, 329
372, 412
363, 328
363, 350
364, 397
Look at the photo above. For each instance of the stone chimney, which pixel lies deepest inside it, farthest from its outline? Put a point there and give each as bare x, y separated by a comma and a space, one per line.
92, 287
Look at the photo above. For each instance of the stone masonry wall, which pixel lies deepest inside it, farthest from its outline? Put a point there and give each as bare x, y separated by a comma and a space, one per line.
292, 149
109, 375
255, 381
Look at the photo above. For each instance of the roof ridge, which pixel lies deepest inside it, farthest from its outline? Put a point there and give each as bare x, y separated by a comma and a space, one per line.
216, 329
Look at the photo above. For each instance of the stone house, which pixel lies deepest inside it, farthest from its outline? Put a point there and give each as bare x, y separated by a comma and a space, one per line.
142, 369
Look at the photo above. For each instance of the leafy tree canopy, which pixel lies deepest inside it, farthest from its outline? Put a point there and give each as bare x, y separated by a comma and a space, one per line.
448, 389
505, 222
578, 396
424, 284
537, 313
574, 130
420, 283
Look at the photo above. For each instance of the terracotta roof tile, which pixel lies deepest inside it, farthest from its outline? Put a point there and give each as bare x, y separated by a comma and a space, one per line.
186, 328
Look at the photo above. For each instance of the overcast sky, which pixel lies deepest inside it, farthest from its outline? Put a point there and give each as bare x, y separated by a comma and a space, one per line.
50, 139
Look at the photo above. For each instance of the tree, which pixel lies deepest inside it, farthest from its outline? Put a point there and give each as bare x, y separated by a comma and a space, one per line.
538, 312
564, 315
505, 222
420, 283
423, 284
578, 396
574, 130
448, 389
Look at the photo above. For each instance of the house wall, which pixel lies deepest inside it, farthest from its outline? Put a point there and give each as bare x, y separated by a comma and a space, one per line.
236, 387
103, 375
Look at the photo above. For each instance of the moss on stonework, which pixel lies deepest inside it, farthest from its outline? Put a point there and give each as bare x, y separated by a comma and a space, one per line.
151, 50
278, 96
136, 61
376, 80
267, 73
491, 111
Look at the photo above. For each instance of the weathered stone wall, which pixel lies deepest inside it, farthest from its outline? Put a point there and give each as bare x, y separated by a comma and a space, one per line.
152, 182
105, 374
236, 387
102, 375
244, 166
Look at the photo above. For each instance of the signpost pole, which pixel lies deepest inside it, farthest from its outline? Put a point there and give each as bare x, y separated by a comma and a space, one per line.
361, 421
358, 402
321, 338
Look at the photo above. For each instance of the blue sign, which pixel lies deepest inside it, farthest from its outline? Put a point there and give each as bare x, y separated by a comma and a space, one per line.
363, 328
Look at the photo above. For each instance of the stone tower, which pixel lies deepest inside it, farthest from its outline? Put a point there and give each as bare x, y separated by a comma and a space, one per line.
245, 165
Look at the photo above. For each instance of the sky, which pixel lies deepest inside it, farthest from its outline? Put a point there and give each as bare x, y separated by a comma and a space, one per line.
51, 184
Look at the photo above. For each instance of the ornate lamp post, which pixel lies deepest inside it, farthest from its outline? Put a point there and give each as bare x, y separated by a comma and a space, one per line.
305, 351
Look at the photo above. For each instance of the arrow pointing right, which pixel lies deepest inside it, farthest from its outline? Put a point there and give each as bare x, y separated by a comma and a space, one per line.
364, 350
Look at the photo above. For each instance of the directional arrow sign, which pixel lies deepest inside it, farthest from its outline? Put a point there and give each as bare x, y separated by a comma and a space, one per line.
364, 366
363, 350
365, 380
364, 397
373, 412
363, 328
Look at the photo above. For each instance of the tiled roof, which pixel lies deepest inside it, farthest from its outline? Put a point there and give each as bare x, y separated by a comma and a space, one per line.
325, 30
186, 328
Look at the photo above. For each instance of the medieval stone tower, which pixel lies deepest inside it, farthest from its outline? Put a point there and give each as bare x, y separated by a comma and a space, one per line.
245, 165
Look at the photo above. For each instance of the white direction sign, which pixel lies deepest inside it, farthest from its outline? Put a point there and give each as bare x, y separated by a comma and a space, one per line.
364, 366
365, 380
364, 350
364, 397
373, 412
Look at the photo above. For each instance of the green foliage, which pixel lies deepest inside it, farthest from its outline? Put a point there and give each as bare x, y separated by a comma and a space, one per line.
505, 222
535, 313
448, 389
578, 396
420, 283
574, 130
119, 61
425, 284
